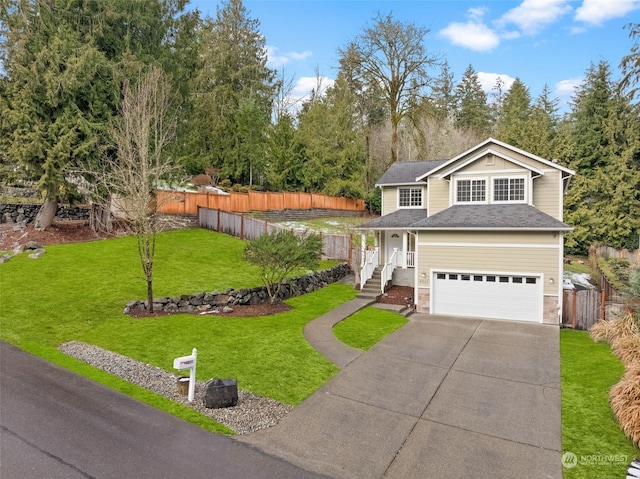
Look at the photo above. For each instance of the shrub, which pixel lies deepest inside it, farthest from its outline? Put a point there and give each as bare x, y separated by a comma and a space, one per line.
201, 180
625, 403
280, 253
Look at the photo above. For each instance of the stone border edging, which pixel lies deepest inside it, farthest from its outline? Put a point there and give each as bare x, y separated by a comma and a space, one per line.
209, 302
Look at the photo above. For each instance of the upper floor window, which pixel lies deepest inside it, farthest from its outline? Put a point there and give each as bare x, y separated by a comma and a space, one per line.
409, 197
471, 191
508, 189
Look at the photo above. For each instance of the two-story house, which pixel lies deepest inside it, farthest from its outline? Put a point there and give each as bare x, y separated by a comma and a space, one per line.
478, 235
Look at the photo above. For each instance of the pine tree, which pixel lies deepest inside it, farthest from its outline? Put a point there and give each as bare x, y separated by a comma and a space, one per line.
472, 109
64, 63
334, 145
603, 200
514, 115
233, 69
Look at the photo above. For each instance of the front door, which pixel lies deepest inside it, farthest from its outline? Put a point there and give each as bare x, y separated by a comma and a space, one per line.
394, 240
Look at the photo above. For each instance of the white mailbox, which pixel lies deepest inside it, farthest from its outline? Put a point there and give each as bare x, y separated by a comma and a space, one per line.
188, 362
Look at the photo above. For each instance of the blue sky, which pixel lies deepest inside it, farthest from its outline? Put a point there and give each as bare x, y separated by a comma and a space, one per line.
539, 41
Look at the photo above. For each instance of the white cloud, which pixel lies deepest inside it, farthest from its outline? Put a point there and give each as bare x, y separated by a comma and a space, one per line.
566, 88
275, 60
304, 85
302, 55
488, 81
595, 12
473, 34
531, 16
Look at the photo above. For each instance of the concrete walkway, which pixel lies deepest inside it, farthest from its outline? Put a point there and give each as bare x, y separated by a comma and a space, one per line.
440, 397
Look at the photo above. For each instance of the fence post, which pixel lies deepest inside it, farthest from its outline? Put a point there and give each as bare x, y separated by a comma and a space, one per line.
603, 300
574, 309
242, 226
218, 223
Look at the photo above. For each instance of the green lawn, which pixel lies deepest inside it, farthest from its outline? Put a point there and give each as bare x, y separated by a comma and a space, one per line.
589, 429
78, 292
367, 327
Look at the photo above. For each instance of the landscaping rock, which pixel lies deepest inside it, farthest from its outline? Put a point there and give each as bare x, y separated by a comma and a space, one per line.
220, 393
215, 300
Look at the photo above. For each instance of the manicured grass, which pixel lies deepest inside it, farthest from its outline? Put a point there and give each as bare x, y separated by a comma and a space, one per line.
367, 327
576, 266
78, 292
589, 429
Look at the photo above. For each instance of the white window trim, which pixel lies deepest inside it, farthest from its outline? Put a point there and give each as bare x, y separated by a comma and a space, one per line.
487, 190
420, 206
524, 200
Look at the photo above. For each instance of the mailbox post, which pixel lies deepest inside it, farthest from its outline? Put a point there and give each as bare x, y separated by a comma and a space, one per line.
188, 362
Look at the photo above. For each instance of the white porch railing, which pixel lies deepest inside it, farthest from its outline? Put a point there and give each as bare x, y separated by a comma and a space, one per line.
371, 262
411, 259
389, 267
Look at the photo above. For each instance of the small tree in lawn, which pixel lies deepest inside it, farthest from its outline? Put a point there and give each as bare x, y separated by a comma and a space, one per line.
140, 135
280, 253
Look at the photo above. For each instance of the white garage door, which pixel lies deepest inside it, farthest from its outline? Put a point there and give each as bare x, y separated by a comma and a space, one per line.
500, 296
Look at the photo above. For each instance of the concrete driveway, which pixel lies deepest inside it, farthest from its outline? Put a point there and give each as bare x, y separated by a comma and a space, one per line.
440, 397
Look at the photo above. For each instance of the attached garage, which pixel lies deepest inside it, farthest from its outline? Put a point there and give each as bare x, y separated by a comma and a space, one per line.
510, 296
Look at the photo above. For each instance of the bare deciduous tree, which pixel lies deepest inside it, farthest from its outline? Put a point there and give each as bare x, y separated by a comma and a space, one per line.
391, 56
145, 127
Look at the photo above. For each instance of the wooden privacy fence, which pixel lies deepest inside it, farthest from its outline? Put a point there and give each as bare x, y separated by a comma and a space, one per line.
581, 309
187, 203
244, 227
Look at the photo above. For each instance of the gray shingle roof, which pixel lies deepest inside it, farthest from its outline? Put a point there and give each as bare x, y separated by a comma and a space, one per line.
518, 216
402, 172
397, 219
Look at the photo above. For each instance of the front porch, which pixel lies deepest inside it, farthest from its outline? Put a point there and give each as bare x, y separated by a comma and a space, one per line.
380, 270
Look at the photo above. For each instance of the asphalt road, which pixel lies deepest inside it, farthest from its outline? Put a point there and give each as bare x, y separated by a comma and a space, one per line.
56, 424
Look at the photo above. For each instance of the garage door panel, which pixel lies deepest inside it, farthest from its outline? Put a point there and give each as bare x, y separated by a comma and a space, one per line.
505, 296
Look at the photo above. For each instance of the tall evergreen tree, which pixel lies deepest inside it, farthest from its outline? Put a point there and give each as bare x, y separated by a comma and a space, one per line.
472, 109
334, 146
603, 199
630, 63
64, 62
443, 96
514, 115
233, 69
540, 128
283, 156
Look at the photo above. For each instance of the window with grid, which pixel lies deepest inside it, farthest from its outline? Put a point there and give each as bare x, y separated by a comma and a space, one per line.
471, 191
408, 197
508, 189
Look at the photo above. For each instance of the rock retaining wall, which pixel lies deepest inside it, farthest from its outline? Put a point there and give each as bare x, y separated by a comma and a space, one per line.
26, 213
209, 302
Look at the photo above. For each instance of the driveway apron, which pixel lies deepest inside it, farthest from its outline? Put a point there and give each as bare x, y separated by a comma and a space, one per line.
440, 397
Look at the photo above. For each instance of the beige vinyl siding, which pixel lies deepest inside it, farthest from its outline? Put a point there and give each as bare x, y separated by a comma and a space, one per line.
546, 238
438, 191
546, 193
490, 260
499, 164
389, 199
505, 252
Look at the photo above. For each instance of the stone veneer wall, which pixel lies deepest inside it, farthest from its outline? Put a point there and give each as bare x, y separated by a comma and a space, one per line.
203, 302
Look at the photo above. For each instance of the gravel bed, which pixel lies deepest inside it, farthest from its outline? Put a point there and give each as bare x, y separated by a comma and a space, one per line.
252, 413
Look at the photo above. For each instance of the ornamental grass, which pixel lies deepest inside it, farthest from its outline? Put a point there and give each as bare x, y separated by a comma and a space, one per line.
625, 403
621, 326
627, 348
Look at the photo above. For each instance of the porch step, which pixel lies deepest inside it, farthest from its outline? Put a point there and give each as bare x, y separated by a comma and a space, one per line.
373, 287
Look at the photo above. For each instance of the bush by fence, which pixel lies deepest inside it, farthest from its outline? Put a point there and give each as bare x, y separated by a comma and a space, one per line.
245, 227
187, 203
